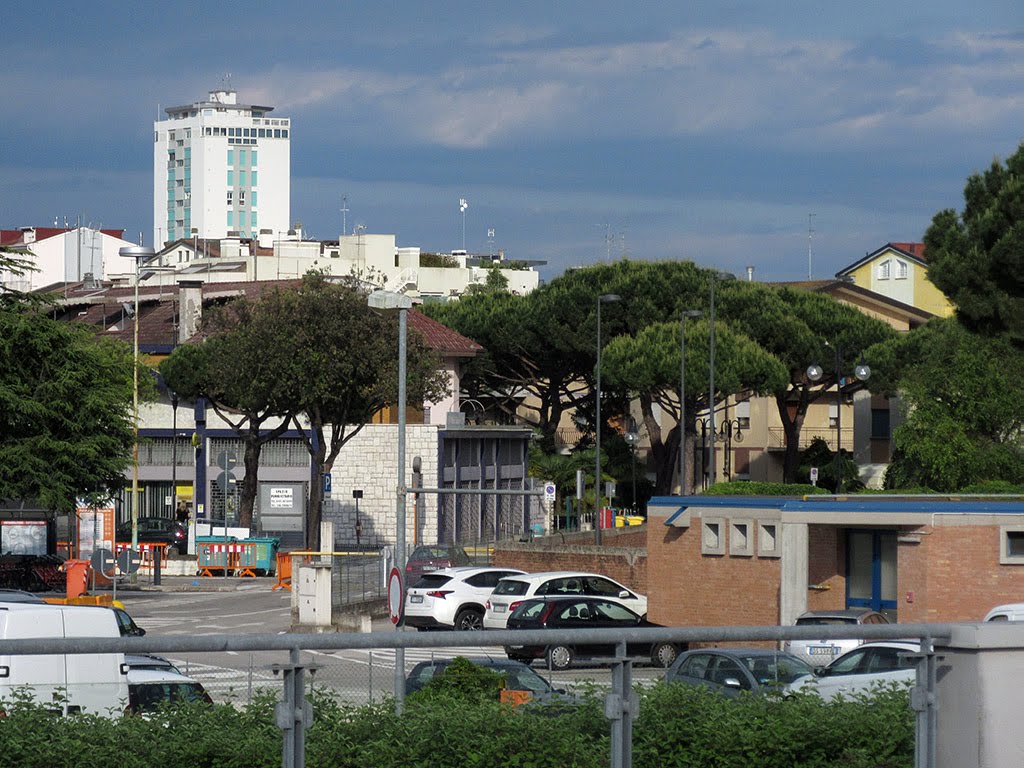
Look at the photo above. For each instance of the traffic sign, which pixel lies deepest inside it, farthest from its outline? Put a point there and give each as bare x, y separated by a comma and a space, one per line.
226, 460
814, 475
327, 482
396, 597
225, 481
102, 561
129, 560
549, 491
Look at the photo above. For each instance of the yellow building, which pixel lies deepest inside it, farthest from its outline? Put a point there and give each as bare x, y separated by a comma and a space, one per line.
899, 271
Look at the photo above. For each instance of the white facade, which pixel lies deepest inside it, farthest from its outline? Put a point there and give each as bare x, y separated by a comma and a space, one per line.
69, 255
220, 167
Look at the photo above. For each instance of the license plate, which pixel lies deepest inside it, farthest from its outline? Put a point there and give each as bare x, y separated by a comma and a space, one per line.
429, 567
415, 598
822, 650
499, 608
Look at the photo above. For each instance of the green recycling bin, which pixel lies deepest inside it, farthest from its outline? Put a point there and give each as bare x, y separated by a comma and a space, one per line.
264, 557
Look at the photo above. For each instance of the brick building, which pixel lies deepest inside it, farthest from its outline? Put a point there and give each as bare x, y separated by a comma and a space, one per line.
715, 560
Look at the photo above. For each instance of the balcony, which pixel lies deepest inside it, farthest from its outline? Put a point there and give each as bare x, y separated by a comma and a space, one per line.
777, 438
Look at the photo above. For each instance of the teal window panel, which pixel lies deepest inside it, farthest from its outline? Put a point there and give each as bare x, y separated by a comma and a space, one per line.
231, 219
241, 220
253, 218
254, 178
231, 178
253, 198
241, 178
242, 157
231, 157
254, 157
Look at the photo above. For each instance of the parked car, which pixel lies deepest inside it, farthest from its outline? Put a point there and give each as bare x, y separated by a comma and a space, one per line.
149, 689
518, 677
581, 612
452, 598
732, 670
157, 530
511, 591
858, 671
821, 652
434, 557
1008, 612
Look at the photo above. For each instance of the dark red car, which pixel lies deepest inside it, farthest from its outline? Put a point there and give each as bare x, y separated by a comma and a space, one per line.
433, 557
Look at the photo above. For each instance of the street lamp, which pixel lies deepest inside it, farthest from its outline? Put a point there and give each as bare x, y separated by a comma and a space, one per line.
391, 300
711, 367
602, 299
141, 254
727, 432
682, 396
632, 437
861, 373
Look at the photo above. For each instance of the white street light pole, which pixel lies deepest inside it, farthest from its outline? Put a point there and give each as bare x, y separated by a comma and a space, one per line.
392, 300
140, 254
603, 298
682, 396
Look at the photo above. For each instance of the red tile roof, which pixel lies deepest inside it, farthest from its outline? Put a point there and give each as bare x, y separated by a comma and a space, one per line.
17, 236
914, 249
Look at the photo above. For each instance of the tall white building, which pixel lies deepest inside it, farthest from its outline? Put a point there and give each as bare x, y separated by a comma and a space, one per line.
220, 167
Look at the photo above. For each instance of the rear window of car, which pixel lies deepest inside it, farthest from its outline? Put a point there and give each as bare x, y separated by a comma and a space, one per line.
432, 581
511, 587
816, 621
530, 609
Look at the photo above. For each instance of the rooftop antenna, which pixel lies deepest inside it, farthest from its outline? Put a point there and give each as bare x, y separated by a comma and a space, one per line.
226, 81
344, 215
463, 205
810, 235
490, 242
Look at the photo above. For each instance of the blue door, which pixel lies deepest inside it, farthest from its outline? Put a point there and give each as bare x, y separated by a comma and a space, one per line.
871, 571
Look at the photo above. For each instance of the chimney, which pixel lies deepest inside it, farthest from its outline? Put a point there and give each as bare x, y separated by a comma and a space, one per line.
190, 308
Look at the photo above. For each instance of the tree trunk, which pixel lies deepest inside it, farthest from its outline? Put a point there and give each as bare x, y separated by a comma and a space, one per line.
250, 482
314, 511
792, 422
664, 451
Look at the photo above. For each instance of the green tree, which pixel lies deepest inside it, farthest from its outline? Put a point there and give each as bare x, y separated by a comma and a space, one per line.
647, 366
977, 257
964, 397
238, 338
495, 282
66, 426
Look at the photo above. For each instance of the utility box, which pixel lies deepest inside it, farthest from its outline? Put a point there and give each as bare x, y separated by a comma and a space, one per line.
980, 696
314, 595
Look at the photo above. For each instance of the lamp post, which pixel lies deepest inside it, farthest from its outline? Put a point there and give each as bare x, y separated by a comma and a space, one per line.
392, 300
711, 368
632, 438
728, 431
861, 373
174, 452
602, 299
140, 254
682, 396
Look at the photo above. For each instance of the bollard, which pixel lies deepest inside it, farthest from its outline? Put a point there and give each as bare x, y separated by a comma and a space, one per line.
156, 567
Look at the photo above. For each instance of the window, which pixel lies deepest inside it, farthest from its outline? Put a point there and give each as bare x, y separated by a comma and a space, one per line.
1011, 545
230, 195
241, 197
254, 158
231, 157
712, 536
884, 269
880, 424
231, 178
901, 270
254, 178
231, 219
252, 219
768, 540
741, 541
252, 199
241, 178
241, 220
242, 157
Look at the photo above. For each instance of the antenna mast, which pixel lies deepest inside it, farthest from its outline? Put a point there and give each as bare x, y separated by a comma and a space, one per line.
344, 215
810, 234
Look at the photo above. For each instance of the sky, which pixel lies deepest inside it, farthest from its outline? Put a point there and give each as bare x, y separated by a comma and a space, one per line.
793, 137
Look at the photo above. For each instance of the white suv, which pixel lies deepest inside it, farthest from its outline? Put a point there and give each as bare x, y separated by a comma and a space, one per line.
452, 598
513, 590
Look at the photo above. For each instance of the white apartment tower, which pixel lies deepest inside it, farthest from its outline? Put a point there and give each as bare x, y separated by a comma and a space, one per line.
220, 167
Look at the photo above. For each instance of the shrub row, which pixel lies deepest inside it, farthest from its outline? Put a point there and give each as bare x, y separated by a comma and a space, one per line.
443, 728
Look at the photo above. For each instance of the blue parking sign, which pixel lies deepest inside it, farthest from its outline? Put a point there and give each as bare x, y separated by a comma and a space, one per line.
327, 482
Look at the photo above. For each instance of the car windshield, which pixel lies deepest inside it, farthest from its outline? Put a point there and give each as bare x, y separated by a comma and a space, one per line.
780, 669
429, 553
511, 587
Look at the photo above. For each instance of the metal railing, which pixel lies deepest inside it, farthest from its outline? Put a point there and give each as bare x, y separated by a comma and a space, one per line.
293, 713
777, 437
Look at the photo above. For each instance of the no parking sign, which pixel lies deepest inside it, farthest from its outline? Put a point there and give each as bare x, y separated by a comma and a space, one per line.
549, 491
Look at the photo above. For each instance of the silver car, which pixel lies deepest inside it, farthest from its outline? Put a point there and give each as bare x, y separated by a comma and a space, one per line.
818, 653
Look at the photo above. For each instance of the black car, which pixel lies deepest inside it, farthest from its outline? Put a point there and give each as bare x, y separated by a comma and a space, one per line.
577, 612
518, 677
157, 530
732, 670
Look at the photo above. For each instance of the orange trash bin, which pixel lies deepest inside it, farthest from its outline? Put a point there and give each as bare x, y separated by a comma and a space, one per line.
77, 573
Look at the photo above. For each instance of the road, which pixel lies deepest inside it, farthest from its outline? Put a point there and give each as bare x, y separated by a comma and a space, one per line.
355, 676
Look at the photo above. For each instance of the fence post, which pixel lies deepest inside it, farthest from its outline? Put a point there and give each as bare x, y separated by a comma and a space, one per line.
294, 713
621, 706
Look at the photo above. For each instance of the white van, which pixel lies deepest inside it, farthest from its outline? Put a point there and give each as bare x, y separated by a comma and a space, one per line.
65, 684
1008, 612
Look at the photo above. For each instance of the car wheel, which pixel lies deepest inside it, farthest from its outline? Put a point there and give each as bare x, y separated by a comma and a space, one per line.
560, 657
663, 654
469, 619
